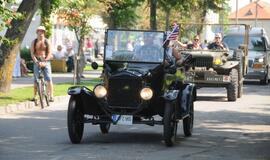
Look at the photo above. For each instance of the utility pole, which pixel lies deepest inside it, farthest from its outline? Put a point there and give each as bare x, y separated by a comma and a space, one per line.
236, 12
256, 15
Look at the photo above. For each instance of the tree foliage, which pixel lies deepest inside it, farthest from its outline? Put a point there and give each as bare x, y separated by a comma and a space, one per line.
48, 7
7, 14
76, 14
120, 13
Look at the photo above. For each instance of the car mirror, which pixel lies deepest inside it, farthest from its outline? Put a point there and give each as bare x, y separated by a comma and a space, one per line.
94, 65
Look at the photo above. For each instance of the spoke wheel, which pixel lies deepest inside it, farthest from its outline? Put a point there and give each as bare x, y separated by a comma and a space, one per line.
40, 94
170, 124
75, 119
45, 93
104, 127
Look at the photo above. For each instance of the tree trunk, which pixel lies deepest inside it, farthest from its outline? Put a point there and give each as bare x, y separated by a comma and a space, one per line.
79, 60
153, 18
15, 33
167, 12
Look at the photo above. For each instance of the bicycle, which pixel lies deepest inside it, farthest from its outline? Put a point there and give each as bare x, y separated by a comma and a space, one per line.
42, 89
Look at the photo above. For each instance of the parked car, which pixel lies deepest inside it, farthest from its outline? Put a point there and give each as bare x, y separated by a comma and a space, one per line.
258, 52
135, 89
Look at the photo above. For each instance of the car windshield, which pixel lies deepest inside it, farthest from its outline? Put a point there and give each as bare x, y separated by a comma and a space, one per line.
255, 42
134, 46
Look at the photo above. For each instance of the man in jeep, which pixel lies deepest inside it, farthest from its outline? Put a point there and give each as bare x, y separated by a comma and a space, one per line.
218, 44
41, 56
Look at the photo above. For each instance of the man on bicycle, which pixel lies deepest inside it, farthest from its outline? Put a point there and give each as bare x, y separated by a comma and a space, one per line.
41, 55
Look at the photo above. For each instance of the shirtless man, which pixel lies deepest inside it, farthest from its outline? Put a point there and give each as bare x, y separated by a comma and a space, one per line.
41, 55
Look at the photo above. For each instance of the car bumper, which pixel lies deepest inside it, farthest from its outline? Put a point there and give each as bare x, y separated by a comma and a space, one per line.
208, 80
252, 74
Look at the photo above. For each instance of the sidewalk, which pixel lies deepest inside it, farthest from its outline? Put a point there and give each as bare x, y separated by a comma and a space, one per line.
56, 77
28, 81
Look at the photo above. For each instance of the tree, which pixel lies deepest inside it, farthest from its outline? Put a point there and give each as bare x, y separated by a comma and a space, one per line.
153, 14
7, 14
120, 13
47, 7
15, 33
77, 14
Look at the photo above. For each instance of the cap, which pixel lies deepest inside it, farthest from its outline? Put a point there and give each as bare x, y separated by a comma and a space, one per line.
218, 35
41, 28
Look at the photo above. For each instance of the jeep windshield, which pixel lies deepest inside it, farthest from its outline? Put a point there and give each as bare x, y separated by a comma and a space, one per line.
255, 42
134, 46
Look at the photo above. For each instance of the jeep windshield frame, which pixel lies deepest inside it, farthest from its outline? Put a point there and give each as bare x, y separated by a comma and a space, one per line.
134, 46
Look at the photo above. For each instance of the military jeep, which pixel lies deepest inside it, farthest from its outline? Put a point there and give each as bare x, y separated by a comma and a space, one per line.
218, 68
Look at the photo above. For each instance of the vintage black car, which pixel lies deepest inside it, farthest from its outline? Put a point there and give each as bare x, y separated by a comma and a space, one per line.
137, 88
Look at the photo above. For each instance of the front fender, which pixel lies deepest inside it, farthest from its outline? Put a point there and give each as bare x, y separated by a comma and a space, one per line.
187, 96
229, 64
171, 95
76, 90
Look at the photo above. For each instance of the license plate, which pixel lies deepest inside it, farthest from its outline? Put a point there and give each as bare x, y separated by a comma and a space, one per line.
257, 66
214, 78
123, 119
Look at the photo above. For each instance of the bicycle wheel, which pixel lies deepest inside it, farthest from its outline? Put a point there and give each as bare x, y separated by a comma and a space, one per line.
45, 92
40, 94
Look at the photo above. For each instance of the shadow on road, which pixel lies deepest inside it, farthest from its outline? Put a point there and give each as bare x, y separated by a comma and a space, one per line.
212, 98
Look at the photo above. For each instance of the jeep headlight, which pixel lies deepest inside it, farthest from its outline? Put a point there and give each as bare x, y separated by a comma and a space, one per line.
260, 60
146, 93
100, 91
217, 61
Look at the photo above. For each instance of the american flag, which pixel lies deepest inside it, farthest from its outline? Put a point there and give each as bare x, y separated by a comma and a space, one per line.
174, 34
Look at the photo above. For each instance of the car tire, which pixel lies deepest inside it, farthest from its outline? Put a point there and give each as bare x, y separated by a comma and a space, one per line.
75, 119
240, 80
169, 124
265, 81
232, 88
188, 121
240, 89
104, 127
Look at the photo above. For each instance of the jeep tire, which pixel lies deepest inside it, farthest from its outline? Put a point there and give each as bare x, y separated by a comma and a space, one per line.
232, 88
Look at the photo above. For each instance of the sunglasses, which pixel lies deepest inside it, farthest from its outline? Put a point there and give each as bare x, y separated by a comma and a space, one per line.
217, 37
196, 40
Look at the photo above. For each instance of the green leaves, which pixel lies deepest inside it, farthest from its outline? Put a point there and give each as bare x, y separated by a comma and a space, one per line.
7, 15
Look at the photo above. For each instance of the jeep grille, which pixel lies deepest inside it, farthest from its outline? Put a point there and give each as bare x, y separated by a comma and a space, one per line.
124, 92
202, 62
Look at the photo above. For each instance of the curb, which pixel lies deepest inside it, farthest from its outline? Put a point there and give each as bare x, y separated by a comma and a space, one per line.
23, 106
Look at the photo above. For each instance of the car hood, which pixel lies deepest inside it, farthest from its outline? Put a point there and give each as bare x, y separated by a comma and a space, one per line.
255, 54
132, 72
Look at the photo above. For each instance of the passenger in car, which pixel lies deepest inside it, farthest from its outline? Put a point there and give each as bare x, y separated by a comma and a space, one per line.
195, 45
149, 51
218, 44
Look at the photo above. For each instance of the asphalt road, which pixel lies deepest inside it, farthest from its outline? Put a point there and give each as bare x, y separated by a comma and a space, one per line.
223, 130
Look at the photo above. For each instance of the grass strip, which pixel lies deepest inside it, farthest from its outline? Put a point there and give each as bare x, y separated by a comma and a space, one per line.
26, 93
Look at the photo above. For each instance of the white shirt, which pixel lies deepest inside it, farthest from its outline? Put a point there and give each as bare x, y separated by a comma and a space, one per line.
59, 55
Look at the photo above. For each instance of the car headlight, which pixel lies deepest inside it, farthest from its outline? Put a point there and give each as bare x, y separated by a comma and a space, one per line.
146, 93
217, 61
100, 91
260, 60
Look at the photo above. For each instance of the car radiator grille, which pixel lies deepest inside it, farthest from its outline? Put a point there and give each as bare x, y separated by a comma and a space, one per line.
202, 62
124, 92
